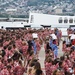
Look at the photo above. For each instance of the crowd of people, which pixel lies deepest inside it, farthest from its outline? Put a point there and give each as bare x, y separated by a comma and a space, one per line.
63, 65
19, 52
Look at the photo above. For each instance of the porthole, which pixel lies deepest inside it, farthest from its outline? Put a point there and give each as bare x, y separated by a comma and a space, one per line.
71, 20
65, 20
60, 20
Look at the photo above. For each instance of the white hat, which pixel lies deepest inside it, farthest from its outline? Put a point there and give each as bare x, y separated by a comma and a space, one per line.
53, 36
35, 35
72, 36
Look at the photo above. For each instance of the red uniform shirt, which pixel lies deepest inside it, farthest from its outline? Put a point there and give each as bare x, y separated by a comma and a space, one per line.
4, 72
19, 70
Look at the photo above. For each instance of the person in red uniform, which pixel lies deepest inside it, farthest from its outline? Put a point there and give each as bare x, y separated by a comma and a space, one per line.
19, 69
73, 42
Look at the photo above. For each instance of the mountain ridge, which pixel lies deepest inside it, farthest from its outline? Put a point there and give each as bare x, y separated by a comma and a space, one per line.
43, 6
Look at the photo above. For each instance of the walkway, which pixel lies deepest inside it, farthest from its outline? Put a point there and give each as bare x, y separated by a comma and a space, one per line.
42, 58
